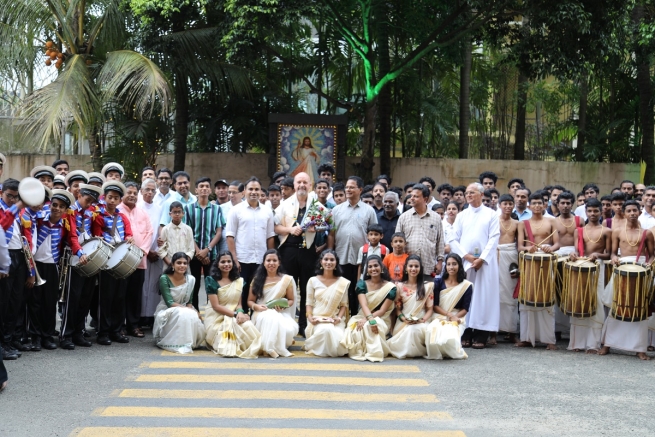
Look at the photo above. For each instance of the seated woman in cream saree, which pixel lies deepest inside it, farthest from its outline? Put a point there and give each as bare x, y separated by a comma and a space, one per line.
327, 302
277, 324
177, 327
414, 301
444, 334
365, 336
230, 333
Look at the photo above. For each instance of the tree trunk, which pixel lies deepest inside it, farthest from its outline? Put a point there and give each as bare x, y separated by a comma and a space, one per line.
96, 153
464, 99
368, 145
519, 138
384, 98
645, 103
181, 121
582, 119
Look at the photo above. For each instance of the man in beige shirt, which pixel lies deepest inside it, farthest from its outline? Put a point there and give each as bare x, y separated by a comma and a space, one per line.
423, 232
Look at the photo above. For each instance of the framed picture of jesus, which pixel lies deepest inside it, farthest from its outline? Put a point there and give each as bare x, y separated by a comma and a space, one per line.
303, 148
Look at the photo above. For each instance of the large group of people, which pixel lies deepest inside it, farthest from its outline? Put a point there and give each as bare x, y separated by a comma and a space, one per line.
364, 271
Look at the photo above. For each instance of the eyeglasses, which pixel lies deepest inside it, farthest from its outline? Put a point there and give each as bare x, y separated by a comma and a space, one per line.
470, 193
163, 179
148, 190
11, 197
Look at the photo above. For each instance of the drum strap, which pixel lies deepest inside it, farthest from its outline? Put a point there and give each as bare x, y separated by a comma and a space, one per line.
641, 245
528, 230
580, 241
577, 222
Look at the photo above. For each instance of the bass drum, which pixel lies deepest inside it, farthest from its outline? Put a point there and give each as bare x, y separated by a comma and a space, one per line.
124, 260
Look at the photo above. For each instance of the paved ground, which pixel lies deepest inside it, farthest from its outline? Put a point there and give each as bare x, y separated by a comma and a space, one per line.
138, 390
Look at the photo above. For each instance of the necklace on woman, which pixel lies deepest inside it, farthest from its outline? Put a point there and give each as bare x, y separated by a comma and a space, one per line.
589, 234
625, 229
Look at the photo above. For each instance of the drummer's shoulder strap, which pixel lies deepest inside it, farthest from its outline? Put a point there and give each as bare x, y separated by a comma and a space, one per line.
577, 222
528, 230
580, 241
641, 244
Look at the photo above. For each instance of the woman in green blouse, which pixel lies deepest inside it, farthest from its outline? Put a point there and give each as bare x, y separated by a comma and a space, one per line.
178, 326
230, 333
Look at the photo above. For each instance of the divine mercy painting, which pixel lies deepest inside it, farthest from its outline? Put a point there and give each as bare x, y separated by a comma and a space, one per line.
303, 148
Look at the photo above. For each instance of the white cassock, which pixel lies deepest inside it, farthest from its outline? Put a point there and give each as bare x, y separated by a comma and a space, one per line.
478, 227
150, 296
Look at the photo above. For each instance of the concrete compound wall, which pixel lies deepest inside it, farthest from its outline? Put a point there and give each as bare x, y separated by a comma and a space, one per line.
230, 166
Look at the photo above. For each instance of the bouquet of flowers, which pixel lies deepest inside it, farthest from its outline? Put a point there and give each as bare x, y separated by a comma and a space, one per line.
318, 216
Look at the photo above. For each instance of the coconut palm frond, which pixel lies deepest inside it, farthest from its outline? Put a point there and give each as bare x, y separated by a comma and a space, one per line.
111, 25
136, 81
48, 112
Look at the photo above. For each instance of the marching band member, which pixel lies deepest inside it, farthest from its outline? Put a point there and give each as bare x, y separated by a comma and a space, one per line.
96, 179
51, 232
73, 181
59, 182
114, 227
113, 171
45, 174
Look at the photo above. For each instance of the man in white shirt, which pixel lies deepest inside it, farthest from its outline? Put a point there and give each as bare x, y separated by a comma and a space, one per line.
590, 190
249, 230
431, 184
164, 180
646, 219
150, 297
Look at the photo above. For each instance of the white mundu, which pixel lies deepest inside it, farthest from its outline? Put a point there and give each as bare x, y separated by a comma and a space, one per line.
443, 338
562, 322
509, 306
277, 328
627, 336
537, 323
226, 337
586, 332
323, 339
364, 344
409, 340
479, 228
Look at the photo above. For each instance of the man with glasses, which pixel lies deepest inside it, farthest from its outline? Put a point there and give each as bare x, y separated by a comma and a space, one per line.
475, 236
182, 182
164, 179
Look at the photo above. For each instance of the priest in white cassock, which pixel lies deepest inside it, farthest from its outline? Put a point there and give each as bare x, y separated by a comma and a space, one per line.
154, 265
475, 238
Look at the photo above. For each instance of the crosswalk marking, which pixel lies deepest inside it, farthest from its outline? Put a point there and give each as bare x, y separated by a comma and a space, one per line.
254, 432
373, 368
286, 379
296, 353
326, 396
268, 413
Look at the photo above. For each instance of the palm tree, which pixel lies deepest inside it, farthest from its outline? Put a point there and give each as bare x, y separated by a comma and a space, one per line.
86, 41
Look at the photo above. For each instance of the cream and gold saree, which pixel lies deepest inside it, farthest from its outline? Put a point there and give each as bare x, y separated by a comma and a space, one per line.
444, 338
323, 339
277, 328
409, 340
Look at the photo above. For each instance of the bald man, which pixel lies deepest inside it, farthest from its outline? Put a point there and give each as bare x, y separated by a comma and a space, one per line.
297, 247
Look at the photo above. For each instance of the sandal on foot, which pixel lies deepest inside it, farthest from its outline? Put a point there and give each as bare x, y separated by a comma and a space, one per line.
466, 343
478, 346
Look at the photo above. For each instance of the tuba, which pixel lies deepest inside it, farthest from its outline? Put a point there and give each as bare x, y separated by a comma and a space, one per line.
29, 259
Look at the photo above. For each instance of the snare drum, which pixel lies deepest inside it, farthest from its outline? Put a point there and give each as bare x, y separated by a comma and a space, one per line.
537, 287
97, 253
580, 291
124, 260
633, 283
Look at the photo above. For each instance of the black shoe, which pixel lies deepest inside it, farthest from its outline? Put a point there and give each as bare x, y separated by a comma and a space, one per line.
20, 346
48, 343
9, 355
86, 334
81, 341
11, 349
67, 344
104, 340
36, 344
119, 338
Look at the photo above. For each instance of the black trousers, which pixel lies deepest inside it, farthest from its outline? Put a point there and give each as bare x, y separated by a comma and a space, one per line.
78, 299
197, 270
42, 302
247, 273
12, 296
133, 296
350, 273
3, 370
300, 263
475, 335
111, 304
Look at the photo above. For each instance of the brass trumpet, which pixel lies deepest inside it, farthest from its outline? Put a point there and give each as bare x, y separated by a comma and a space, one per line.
64, 263
29, 259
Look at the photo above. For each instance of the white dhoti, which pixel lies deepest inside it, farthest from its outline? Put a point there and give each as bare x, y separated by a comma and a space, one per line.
586, 332
627, 336
509, 306
537, 324
562, 322
651, 330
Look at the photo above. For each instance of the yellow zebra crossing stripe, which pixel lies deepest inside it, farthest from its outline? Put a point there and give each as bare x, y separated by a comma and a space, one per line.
327, 396
286, 379
268, 413
254, 432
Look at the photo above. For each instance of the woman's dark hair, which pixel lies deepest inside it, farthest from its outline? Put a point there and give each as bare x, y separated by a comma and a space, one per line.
384, 273
461, 274
452, 202
420, 288
319, 269
176, 256
407, 207
259, 279
216, 273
